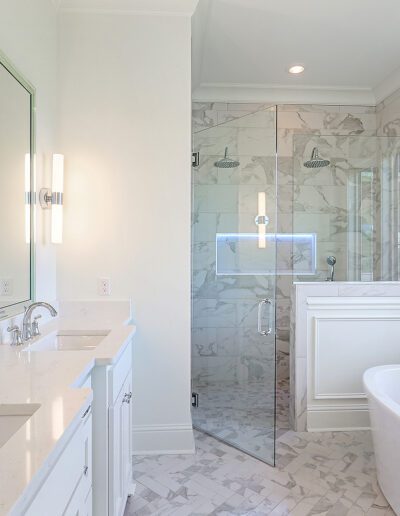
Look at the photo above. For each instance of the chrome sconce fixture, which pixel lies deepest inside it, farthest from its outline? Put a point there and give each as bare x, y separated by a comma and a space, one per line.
53, 198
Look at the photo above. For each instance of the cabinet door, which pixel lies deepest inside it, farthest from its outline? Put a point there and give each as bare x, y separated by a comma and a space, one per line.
120, 449
126, 436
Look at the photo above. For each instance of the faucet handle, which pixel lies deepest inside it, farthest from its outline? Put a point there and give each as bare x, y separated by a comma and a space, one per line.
35, 326
16, 335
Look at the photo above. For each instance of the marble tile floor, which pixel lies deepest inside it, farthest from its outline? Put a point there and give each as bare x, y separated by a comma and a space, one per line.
330, 473
243, 414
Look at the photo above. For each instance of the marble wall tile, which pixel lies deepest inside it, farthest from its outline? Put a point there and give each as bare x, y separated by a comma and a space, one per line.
244, 106
388, 115
213, 313
203, 255
256, 170
328, 122
320, 199
308, 107
203, 118
282, 365
204, 342
284, 170
216, 198
265, 119
206, 173
224, 307
211, 370
203, 226
283, 314
283, 287
253, 141
212, 142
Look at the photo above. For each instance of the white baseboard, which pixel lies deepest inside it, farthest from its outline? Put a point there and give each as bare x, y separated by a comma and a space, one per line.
163, 439
337, 419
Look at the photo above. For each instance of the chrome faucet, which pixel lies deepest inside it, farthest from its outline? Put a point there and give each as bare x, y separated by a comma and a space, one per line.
27, 320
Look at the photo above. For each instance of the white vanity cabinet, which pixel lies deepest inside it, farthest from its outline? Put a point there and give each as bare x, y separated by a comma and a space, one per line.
112, 437
120, 452
67, 488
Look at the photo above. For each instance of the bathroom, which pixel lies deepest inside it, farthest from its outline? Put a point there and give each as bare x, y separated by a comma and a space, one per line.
202, 257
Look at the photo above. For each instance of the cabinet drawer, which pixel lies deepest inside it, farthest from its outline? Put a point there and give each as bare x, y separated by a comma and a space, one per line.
120, 371
73, 468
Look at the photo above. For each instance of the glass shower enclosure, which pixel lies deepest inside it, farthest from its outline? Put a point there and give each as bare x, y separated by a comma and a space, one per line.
234, 266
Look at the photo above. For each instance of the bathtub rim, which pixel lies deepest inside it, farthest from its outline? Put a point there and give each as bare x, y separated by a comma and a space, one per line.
375, 391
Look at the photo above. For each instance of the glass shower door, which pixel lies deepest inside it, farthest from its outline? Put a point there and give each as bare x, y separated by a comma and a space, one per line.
233, 282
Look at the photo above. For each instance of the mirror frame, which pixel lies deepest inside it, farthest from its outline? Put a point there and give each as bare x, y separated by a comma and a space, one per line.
17, 308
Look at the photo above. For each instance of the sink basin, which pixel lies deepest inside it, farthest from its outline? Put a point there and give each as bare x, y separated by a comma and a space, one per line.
12, 417
69, 340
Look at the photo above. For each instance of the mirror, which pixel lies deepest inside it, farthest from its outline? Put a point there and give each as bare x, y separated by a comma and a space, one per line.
16, 192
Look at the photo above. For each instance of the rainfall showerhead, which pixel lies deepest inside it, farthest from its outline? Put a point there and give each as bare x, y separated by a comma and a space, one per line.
226, 162
316, 161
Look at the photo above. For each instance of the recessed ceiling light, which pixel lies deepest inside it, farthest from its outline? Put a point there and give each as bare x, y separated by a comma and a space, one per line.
296, 69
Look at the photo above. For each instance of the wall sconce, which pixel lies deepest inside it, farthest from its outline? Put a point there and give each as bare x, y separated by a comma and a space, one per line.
28, 197
262, 220
54, 199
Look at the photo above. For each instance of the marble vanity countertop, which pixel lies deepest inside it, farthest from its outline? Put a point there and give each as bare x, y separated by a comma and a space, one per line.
47, 378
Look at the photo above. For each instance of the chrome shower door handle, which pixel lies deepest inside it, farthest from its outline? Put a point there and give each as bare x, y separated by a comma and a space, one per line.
261, 305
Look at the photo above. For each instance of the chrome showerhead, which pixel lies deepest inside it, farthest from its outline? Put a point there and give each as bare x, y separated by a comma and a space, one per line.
226, 162
316, 161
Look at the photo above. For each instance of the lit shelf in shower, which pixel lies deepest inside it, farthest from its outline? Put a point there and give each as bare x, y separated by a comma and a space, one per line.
284, 253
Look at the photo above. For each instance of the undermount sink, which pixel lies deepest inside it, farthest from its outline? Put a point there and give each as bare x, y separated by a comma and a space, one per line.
12, 417
69, 340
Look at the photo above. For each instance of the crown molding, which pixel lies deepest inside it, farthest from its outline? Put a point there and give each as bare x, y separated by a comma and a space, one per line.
183, 8
282, 94
387, 87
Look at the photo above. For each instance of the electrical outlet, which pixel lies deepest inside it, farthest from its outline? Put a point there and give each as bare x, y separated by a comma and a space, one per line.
103, 286
6, 287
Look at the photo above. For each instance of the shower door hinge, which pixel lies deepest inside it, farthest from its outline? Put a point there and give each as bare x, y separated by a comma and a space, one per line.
195, 399
195, 159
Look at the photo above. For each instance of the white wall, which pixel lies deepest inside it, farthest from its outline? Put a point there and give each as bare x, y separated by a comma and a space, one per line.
28, 37
125, 130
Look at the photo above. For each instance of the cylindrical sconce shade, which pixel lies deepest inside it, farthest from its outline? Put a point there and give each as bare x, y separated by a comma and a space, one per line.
261, 214
57, 199
27, 173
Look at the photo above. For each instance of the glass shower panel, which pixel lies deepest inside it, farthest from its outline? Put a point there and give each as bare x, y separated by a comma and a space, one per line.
351, 205
233, 282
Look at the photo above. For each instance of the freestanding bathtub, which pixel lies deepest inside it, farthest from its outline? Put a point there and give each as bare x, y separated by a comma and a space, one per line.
382, 386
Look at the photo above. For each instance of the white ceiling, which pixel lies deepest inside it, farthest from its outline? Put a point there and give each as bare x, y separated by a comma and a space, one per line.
243, 48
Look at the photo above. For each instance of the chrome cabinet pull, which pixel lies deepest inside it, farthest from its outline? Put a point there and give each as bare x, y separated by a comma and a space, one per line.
85, 470
261, 304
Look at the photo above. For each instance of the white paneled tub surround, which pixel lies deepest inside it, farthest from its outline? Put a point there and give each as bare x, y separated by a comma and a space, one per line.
382, 385
339, 330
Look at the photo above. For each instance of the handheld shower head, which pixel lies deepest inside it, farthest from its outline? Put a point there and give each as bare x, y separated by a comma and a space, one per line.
331, 260
316, 161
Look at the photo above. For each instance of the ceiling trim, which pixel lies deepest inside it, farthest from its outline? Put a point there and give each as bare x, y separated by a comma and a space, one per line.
120, 7
220, 92
387, 87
